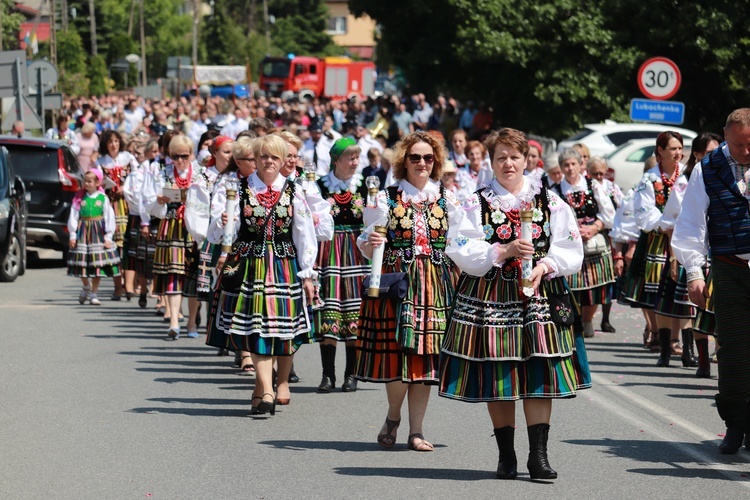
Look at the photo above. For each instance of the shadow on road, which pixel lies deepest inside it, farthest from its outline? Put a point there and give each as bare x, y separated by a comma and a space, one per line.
416, 473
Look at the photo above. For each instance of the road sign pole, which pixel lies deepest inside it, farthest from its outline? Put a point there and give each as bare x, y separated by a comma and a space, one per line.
19, 91
40, 98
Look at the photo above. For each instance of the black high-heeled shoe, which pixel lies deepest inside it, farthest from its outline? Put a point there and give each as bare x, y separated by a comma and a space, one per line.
265, 406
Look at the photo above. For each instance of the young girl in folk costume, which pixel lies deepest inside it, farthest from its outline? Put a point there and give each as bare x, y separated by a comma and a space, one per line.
173, 241
341, 266
91, 226
115, 164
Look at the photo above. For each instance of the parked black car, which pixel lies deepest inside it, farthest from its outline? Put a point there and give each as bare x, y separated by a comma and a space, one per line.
52, 176
13, 217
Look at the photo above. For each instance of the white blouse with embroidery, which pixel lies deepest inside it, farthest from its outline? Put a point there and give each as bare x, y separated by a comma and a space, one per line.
476, 256
647, 215
606, 212
198, 203
624, 229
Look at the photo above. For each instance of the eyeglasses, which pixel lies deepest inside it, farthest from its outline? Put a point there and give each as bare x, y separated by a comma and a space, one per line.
180, 157
292, 157
415, 158
245, 159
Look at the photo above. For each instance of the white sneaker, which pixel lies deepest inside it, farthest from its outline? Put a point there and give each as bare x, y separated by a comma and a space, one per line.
94, 300
84, 295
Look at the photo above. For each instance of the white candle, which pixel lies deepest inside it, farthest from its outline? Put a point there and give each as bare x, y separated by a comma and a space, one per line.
376, 268
527, 263
228, 237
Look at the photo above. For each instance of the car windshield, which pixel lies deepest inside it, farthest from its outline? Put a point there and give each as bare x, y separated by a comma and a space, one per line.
580, 135
276, 68
34, 164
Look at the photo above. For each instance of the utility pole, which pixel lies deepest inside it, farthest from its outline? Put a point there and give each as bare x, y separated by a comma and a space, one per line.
63, 13
196, 7
92, 20
53, 33
130, 22
1, 29
268, 30
143, 47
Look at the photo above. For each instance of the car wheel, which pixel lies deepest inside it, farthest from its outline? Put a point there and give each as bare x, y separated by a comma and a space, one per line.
12, 261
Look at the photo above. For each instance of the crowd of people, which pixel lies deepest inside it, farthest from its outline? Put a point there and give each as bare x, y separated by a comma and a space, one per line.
494, 262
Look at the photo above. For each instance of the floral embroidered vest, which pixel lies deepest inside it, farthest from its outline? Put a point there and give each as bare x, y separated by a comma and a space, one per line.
401, 231
501, 226
347, 207
583, 203
263, 224
92, 206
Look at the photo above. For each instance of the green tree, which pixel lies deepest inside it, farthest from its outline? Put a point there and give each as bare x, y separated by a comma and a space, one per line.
99, 81
11, 24
71, 63
223, 39
550, 67
300, 27
120, 45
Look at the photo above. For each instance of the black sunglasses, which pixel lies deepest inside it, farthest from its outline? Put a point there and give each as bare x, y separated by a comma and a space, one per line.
415, 158
180, 157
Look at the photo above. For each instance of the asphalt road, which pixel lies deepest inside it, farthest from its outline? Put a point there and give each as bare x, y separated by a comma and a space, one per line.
95, 404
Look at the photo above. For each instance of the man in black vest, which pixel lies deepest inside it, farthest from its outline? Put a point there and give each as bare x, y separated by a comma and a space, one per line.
716, 215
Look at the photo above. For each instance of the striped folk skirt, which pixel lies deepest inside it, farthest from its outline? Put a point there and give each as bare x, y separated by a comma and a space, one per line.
672, 299
208, 258
341, 270
705, 319
500, 346
130, 245
192, 270
89, 259
731, 296
120, 207
144, 257
259, 307
594, 283
400, 341
645, 272
170, 259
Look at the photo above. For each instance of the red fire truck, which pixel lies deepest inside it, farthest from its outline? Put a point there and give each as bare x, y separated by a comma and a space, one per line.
310, 77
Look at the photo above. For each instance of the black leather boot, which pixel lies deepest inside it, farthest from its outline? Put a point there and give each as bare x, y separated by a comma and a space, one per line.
688, 354
665, 343
328, 359
538, 463
734, 413
350, 383
704, 362
507, 464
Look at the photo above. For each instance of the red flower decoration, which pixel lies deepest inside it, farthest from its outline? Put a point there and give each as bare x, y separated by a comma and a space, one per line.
504, 231
536, 231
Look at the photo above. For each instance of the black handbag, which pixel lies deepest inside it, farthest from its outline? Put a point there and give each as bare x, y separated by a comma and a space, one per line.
393, 286
560, 308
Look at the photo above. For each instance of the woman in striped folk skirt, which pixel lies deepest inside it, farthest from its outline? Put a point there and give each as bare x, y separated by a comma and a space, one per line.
267, 279
509, 339
116, 164
173, 241
398, 342
91, 225
652, 251
595, 213
341, 266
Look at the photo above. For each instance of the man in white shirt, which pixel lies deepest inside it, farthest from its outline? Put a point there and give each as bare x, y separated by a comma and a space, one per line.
239, 124
317, 148
715, 214
365, 143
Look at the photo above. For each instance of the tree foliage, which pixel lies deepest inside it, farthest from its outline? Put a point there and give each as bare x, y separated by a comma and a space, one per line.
550, 67
11, 24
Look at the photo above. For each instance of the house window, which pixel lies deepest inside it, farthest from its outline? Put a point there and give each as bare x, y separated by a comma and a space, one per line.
337, 26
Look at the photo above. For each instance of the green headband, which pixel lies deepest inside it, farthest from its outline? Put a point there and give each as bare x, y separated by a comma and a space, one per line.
339, 147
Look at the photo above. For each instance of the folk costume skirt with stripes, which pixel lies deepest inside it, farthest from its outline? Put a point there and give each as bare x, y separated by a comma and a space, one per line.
705, 319
672, 299
341, 270
645, 272
170, 259
260, 306
89, 259
400, 341
120, 207
500, 346
144, 259
731, 296
208, 258
594, 283
130, 245
192, 257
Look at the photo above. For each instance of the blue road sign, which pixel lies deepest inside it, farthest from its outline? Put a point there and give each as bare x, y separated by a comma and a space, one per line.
649, 110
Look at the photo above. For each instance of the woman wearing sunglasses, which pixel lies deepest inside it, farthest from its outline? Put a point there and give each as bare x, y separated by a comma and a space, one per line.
267, 278
164, 196
399, 342
504, 342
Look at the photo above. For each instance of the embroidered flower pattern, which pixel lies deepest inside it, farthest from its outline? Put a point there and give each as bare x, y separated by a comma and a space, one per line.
434, 223
545, 227
536, 231
399, 211
504, 231
498, 217
437, 211
538, 215
574, 235
259, 211
488, 231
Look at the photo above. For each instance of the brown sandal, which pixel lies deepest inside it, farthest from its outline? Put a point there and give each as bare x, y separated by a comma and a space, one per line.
423, 446
388, 439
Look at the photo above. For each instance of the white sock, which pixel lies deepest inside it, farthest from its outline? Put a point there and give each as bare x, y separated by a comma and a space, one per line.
588, 329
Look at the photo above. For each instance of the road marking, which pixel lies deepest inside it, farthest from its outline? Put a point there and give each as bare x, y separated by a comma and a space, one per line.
732, 471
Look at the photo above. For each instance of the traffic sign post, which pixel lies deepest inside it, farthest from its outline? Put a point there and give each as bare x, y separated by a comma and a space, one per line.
659, 78
648, 110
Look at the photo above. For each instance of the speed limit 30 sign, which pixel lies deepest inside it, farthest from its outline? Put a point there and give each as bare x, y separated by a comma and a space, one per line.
659, 78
